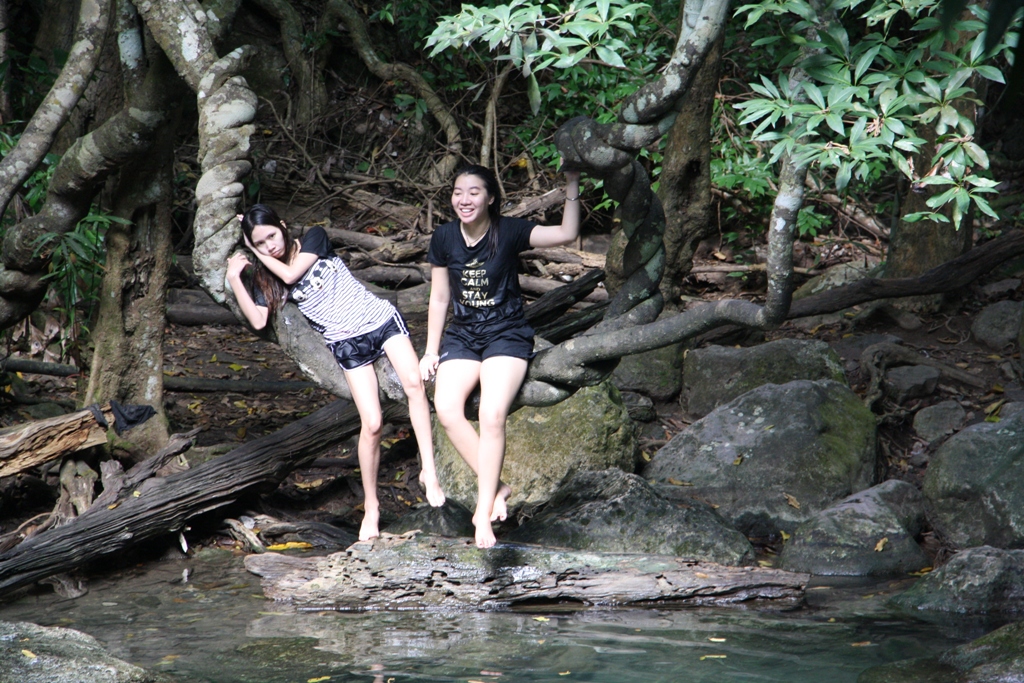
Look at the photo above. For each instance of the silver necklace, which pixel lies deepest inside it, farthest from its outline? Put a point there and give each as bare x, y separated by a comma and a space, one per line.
470, 242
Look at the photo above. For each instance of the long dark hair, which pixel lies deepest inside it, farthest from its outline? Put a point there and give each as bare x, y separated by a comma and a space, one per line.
493, 193
273, 288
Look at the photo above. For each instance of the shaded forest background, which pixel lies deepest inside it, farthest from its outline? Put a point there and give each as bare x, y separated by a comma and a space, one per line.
882, 136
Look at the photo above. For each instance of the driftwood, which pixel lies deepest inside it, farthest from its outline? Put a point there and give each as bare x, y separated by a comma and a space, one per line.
26, 446
164, 505
428, 572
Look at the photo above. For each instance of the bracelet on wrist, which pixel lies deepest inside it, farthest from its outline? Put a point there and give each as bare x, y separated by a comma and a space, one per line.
573, 199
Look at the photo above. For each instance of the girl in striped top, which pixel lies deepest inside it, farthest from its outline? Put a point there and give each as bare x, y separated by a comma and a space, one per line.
358, 327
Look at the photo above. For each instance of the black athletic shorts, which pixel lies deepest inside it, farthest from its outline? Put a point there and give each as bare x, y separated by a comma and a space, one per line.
362, 350
458, 344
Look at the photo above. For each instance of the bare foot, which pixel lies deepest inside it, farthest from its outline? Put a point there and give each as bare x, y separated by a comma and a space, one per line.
499, 511
484, 534
369, 528
432, 487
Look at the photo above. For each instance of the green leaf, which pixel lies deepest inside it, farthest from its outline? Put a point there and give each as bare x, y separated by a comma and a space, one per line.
533, 93
976, 153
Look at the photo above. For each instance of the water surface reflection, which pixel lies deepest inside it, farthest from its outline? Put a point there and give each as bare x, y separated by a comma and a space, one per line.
205, 620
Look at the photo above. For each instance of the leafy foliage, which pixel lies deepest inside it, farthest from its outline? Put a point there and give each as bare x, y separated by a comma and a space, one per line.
856, 114
535, 37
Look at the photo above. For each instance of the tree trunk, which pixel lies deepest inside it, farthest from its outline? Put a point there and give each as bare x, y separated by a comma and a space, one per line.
915, 248
6, 112
128, 336
685, 180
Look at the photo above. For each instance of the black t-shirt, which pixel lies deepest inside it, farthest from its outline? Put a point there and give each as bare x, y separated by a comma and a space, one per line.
485, 289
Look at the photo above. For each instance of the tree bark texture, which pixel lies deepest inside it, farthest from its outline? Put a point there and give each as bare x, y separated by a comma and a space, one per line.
684, 186
35, 140
164, 505
425, 572
312, 91
128, 335
6, 111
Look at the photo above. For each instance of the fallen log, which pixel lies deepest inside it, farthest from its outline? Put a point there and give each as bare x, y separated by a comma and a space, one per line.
948, 277
199, 314
25, 446
429, 572
164, 505
202, 384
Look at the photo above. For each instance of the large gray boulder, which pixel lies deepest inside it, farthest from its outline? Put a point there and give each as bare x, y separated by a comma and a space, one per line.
38, 654
715, 375
590, 430
976, 581
994, 658
775, 456
998, 324
612, 511
974, 485
870, 533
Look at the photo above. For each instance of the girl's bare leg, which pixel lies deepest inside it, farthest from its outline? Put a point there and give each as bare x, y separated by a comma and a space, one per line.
363, 384
500, 379
403, 357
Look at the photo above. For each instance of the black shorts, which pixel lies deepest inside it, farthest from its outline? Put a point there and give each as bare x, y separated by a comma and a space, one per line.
362, 350
516, 341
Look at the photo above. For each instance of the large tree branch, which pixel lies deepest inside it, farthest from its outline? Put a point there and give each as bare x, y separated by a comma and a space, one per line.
35, 140
180, 27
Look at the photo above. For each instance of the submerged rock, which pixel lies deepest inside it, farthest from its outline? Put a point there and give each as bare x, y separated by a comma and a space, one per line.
38, 654
974, 485
717, 374
870, 533
775, 456
590, 430
612, 511
976, 581
994, 658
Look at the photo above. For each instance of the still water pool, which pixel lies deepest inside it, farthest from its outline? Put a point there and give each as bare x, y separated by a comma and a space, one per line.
204, 620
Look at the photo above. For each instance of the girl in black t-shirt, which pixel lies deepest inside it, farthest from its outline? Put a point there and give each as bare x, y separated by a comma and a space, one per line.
357, 326
489, 342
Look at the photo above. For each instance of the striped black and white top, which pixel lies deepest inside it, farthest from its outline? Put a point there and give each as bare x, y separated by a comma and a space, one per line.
336, 304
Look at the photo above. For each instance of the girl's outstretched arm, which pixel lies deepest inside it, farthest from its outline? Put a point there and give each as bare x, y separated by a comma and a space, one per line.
256, 315
557, 235
437, 312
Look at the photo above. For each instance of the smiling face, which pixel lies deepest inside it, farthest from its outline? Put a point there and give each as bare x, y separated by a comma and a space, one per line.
268, 240
470, 200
